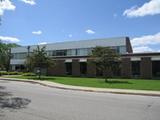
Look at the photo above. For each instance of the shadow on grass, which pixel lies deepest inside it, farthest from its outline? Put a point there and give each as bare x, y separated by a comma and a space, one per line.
42, 78
113, 81
117, 82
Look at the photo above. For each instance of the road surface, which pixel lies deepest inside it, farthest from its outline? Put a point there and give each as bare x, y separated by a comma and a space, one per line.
26, 101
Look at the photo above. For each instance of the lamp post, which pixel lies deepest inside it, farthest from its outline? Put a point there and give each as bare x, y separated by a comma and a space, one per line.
9, 59
28, 55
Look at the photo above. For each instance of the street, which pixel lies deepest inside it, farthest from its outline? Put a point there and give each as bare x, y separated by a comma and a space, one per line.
26, 101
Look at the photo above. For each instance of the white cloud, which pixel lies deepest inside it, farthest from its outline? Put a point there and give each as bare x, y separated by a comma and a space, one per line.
42, 43
31, 2
142, 49
146, 40
70, 35
144, 43
6, 5
149, 8
9, 39
90, 31
39, 32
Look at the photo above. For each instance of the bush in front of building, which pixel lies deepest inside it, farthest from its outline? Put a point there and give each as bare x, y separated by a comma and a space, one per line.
29, 74
17, 73
3, 73
9, 73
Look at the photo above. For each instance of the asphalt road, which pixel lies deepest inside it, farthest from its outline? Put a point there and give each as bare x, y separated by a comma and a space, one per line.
26, 101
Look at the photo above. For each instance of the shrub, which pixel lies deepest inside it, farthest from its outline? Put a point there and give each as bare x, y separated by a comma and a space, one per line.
3, 73
14, 73
9, 73
29, 74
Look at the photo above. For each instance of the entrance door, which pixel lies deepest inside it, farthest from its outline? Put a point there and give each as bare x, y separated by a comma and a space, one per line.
68, 68
156, 69
83, 68
135, 69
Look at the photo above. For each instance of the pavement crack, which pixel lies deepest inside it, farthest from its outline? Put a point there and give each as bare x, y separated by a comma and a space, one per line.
148, 108
150, 105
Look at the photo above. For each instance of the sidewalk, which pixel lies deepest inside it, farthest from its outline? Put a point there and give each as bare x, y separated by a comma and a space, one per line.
87, 89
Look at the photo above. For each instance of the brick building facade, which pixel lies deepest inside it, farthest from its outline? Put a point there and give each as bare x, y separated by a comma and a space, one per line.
72, 58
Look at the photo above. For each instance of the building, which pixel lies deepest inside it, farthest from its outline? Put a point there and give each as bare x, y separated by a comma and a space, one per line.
72, 58
141, 65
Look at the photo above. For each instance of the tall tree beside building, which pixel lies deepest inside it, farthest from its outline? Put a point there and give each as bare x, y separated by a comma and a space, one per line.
5, 55
105, 59
39, 59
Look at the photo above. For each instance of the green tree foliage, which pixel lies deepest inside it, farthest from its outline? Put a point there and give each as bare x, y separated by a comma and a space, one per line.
106, 60
5, 55
39, 59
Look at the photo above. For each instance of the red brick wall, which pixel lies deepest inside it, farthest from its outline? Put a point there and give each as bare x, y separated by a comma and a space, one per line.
126, 70
146, 68
91, 69
58, 69
75, 67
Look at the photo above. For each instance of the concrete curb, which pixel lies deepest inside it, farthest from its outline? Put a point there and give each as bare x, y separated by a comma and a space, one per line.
86, 89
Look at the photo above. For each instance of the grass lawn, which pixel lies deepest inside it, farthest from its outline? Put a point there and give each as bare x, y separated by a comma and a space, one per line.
137, 84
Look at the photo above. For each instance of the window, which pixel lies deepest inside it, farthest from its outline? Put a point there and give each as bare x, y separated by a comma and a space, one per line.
83, 68
136, 68
57, 53
155, 68
19, 55
119, 49
61, 52
122, 49
49, 53
68, 68
83, 52
71, 52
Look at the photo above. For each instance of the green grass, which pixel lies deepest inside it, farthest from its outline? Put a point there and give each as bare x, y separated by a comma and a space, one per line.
138, 84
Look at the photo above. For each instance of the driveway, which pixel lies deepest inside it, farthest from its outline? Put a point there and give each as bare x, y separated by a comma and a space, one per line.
26, 101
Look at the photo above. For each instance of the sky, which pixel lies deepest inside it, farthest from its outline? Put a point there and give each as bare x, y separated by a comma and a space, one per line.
30, 22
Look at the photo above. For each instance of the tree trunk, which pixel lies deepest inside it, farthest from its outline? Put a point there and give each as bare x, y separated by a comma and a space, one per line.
105, 75
106, 79
39, 73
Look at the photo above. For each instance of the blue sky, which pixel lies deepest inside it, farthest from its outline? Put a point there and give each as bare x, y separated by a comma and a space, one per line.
47, 21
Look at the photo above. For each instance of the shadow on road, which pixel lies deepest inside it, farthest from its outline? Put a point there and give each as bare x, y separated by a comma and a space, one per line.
14, 103
9, 102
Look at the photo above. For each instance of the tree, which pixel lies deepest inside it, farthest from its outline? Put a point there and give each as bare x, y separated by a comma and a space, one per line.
105, 59
39, 59
5, 54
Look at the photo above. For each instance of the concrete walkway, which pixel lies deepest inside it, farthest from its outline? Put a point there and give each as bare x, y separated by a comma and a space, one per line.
88, 89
